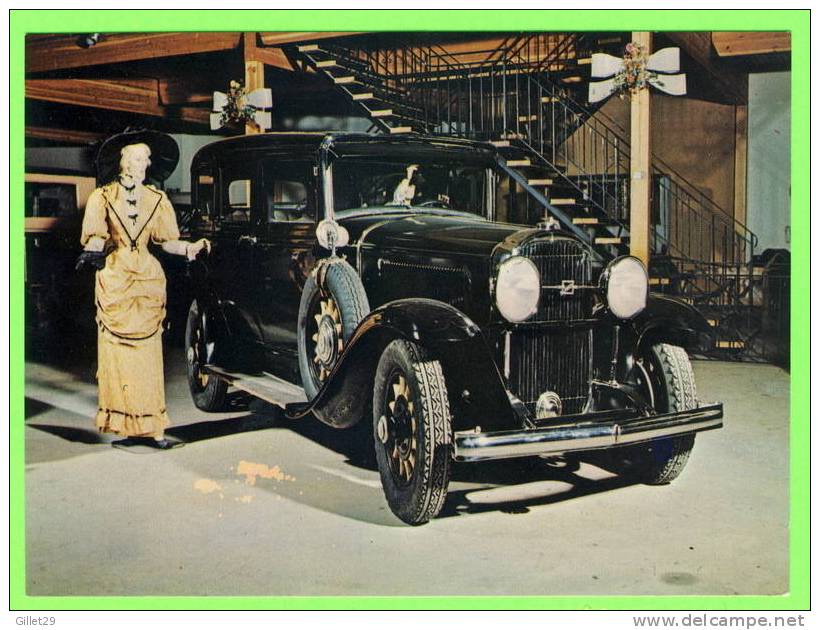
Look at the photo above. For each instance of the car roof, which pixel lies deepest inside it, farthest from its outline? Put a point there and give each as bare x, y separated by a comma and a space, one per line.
301, 144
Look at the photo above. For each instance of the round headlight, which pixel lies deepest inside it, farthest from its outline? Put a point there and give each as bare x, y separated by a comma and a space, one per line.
517, 289
626, 287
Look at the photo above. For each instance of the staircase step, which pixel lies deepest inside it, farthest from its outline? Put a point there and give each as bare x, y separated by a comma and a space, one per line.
584, 61
327, 63
528, 118
395, 102
368, 81
659, 281
308, 48
588, 221
539, 182
563, 202
380, 113
518, 163
500, 143
550, 99
401, 130
572, 79
608, 240
730, 345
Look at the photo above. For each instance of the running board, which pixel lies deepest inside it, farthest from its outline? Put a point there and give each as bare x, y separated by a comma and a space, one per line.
268, 387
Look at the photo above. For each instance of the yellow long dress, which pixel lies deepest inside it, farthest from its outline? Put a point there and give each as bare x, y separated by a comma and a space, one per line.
130, 300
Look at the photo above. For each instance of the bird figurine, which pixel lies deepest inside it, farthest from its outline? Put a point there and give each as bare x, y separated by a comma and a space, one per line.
406, 190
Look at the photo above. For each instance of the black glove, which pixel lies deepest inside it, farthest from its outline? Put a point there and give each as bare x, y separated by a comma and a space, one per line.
95, 260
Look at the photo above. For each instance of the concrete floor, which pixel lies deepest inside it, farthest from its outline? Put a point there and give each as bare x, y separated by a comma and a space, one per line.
254, 505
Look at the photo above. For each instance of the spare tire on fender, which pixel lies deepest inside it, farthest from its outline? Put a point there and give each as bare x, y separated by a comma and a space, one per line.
332, 305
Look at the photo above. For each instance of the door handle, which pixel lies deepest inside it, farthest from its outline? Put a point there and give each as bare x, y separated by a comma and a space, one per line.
245, 238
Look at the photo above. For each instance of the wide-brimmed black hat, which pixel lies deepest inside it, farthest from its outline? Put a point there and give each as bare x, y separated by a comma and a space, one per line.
164, 155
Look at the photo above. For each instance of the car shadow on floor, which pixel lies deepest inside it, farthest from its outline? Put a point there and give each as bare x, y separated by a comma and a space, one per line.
543, 483
495, 486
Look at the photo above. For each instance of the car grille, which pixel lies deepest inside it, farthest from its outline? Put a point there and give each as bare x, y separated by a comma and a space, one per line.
561, 260
555, 358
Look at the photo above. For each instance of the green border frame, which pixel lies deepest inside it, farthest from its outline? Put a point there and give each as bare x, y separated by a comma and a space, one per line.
796, 21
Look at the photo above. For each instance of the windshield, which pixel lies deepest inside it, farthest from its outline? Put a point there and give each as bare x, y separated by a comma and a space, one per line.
359, 185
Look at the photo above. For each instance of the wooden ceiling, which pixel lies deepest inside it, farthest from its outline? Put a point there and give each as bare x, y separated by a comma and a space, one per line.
76, 93
160, 80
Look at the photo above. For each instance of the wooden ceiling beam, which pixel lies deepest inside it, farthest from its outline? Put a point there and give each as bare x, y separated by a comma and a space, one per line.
59, 53
698, 45
122, 96
185, 91
274, 57
733, 44
69, 136
279, 38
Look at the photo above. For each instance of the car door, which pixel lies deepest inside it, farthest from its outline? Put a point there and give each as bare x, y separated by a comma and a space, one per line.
232, 264
285, 252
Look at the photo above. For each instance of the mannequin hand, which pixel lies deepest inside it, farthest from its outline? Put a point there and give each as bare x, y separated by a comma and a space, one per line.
94, 260
196, 247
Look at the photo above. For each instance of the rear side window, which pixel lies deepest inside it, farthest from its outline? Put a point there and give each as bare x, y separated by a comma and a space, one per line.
237, 194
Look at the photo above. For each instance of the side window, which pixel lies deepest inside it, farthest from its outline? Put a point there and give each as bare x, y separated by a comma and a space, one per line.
237, 195
289, 195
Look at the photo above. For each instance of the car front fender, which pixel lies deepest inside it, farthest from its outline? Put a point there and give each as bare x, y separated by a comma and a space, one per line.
475, 387
667, 319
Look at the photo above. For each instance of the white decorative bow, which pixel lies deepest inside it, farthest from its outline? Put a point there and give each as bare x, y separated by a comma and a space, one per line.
258, 101
665, 61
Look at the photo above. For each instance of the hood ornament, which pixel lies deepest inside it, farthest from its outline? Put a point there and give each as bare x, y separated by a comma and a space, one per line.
549, 223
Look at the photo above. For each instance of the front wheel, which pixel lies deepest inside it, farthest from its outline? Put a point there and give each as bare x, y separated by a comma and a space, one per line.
207, 391
412, 431
666, 376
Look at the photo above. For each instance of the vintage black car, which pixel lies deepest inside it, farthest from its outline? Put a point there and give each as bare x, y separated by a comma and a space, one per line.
358, 277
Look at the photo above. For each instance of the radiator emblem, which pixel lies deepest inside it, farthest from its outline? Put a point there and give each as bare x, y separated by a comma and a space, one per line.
567, 287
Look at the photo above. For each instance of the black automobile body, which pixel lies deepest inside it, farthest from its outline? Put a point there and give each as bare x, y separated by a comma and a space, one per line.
358, 277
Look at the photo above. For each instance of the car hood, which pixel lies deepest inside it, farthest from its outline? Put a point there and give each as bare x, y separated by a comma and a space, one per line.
438, 233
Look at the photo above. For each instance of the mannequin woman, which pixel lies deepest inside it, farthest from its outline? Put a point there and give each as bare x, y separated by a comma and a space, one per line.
121, 218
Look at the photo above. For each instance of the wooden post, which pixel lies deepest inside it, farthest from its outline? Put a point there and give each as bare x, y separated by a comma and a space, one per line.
254, 73
741, 144
640, 166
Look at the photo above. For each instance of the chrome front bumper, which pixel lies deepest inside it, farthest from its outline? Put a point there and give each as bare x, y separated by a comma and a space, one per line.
603, 429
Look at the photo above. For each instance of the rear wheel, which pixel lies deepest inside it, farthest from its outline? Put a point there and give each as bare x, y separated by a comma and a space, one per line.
207, 391
666, 376
412, 431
